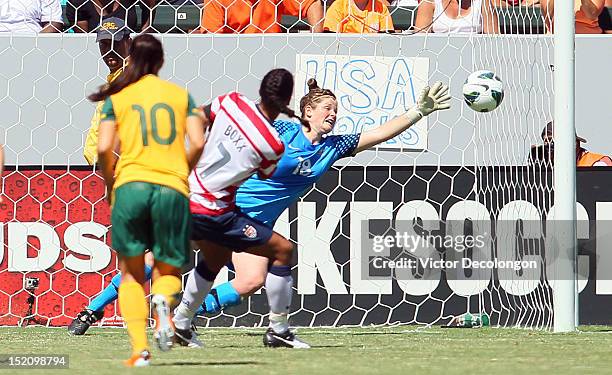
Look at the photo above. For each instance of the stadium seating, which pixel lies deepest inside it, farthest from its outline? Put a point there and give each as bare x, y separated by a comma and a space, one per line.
513, 20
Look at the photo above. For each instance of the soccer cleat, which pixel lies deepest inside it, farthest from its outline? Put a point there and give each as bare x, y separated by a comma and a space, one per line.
188, 338
164, 329
286, 339
83, 321
139, 360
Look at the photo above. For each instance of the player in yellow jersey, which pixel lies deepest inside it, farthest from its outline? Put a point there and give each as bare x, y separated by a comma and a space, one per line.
114, 42
148, 188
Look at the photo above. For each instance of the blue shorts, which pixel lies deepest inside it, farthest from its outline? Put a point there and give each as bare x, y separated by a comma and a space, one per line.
234, 230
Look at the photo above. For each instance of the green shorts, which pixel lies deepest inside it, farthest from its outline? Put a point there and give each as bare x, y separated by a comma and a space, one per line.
155, 217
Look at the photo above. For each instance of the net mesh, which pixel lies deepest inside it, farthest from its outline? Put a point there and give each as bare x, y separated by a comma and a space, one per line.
457, 164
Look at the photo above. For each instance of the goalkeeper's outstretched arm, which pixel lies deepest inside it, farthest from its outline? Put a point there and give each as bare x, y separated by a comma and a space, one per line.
431, 99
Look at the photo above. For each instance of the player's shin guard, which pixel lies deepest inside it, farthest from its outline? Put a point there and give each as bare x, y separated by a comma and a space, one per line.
221, 297
135, 312
198, 285
279, 290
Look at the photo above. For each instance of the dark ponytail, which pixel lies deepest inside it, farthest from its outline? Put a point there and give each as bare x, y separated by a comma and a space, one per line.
315, 95
275, 91
146, 57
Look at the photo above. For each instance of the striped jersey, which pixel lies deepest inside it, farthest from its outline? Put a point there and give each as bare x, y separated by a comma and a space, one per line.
240, 143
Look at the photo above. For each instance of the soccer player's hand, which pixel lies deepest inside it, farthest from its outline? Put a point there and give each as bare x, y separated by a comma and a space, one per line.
433, 99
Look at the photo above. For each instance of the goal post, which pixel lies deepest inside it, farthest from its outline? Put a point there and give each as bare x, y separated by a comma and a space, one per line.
565, 286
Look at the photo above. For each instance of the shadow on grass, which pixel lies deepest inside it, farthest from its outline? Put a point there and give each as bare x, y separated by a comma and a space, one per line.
312, 347
209, 363
339, 333
596, 330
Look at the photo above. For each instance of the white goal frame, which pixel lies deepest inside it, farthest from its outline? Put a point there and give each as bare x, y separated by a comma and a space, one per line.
565, 294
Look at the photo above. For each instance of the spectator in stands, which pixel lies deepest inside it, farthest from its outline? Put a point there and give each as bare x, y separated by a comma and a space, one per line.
244, 16
358, 16
587, 15
30, 16
457, 16
545, 153
114, 41
85, 15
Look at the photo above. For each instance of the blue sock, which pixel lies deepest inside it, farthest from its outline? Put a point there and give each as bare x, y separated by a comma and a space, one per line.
219, 298
110, 293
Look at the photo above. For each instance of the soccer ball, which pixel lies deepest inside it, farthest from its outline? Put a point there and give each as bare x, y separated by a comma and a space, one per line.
483, 91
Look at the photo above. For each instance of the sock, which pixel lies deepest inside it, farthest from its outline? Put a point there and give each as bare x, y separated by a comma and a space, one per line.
198, 285
279, 322
169, 286
279, 290
135, 311
109, 294
219, 298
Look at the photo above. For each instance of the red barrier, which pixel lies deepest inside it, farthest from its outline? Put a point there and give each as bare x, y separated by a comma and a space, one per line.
41, 212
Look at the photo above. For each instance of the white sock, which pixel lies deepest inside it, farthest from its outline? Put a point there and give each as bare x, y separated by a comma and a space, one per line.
279, 322
279, 291
196, 289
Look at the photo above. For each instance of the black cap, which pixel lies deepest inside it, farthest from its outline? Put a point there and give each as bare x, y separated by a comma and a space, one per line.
547, 132
112, 28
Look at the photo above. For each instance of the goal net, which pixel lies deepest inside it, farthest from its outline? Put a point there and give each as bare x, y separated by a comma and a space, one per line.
455, 173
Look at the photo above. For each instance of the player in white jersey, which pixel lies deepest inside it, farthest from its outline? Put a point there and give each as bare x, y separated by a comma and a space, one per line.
241, 142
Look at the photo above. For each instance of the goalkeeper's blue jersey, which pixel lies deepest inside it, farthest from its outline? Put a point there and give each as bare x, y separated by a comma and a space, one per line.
300, 167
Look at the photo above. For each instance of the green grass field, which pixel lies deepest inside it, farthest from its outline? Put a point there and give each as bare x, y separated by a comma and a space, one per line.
400, 350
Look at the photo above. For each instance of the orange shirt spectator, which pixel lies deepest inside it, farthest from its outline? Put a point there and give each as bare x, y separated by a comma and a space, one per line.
358, 16
587, 15
590, 159
257, 16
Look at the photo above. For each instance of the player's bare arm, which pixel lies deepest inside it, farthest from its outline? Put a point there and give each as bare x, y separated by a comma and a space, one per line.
195, 134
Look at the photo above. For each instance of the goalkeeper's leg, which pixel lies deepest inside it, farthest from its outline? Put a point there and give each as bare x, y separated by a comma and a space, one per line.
95, 310
251, 273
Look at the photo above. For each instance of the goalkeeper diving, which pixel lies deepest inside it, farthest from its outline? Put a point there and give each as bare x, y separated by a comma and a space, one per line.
310, 152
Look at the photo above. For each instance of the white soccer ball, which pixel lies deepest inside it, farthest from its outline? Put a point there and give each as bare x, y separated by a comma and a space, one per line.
483, 91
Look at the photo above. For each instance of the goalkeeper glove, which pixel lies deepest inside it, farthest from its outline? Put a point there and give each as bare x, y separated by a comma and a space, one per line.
432, 99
